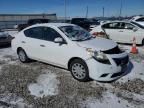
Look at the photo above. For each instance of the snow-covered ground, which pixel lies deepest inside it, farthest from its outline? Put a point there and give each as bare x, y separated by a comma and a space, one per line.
110, 101
53, 86
47, 84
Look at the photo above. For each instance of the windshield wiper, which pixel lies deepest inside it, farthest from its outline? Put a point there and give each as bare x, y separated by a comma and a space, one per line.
83, 39
78, 40
89, 38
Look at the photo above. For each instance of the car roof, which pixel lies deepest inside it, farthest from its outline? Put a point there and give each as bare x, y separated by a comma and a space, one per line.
137, 17
49, 25
53, 24
116, 21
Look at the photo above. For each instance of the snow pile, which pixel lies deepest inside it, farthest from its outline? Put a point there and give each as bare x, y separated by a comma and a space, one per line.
136, 72
7, 55
137, 64
47, 84
12, 101
109, 101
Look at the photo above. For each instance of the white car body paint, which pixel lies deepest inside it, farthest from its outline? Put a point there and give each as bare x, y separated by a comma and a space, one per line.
122, 35
60, 55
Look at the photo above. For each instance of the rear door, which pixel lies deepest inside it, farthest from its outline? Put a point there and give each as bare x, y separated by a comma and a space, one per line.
113, 30
34, 36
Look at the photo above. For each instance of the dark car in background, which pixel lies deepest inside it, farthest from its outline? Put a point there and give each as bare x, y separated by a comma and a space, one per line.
32, 22
82, 22
93, 23
5, 38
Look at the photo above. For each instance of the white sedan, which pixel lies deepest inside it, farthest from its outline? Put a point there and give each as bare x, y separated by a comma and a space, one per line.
138, 19
71, 47
121, 31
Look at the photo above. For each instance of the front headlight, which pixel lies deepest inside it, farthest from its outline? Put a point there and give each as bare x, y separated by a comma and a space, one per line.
99, 56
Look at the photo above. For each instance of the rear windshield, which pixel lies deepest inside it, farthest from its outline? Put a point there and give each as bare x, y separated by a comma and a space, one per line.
140, 26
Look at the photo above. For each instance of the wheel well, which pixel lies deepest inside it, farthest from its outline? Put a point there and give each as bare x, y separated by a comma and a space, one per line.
19, 49
72, 59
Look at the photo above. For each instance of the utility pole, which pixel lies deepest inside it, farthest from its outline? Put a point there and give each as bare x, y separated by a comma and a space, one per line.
65, 11
87, 12
121, 6
103, 11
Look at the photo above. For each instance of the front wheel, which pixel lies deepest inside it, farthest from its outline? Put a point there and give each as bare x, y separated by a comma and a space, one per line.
79, 70
22, 56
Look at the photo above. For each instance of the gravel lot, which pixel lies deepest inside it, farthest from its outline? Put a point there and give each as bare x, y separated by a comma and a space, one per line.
16, 77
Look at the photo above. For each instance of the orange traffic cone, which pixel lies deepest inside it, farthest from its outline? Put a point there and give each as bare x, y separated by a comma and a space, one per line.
134, 48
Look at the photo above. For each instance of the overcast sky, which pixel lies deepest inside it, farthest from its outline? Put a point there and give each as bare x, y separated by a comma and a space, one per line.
74, 7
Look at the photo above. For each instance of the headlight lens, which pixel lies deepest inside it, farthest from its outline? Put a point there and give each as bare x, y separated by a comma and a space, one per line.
99, 56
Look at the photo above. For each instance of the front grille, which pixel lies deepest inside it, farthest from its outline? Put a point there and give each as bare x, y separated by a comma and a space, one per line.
121, 61
116, 74
115, 50
1, 38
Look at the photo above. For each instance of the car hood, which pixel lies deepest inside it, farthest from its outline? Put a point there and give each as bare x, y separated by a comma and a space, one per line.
98, 44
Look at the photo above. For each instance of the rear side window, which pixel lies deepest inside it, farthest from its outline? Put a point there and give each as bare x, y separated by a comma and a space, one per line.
44, 33
140, 19
115, 25
36, 32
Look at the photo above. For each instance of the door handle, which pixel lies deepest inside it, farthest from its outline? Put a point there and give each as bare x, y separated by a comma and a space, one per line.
23, 41
42, 45
120, 31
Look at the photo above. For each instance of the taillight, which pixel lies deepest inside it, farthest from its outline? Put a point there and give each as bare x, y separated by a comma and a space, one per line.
95, 34
102, 33
99, 34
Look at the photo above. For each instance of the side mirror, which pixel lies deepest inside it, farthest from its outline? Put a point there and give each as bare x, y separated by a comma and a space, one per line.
58, 40
135, 29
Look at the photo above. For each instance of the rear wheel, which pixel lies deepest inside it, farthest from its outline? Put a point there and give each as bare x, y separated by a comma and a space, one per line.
143, 42
22, 56
79, 70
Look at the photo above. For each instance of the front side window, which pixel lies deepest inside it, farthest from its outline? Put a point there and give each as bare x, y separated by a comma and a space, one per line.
50, 34
75, 33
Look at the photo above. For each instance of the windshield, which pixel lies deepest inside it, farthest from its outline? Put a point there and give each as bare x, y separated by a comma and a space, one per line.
140, 26
75, 33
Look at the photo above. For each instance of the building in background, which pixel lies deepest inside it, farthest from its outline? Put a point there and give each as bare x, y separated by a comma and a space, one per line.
9, 20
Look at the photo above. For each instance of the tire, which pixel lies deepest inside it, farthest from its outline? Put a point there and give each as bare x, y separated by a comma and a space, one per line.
79, 70
143, 42
23, 56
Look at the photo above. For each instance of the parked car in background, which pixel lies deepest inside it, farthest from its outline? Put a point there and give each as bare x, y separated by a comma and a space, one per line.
5, 38
121, 31
93, 23
60, 21
82, 22
138, 19
32, 22
71, 47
